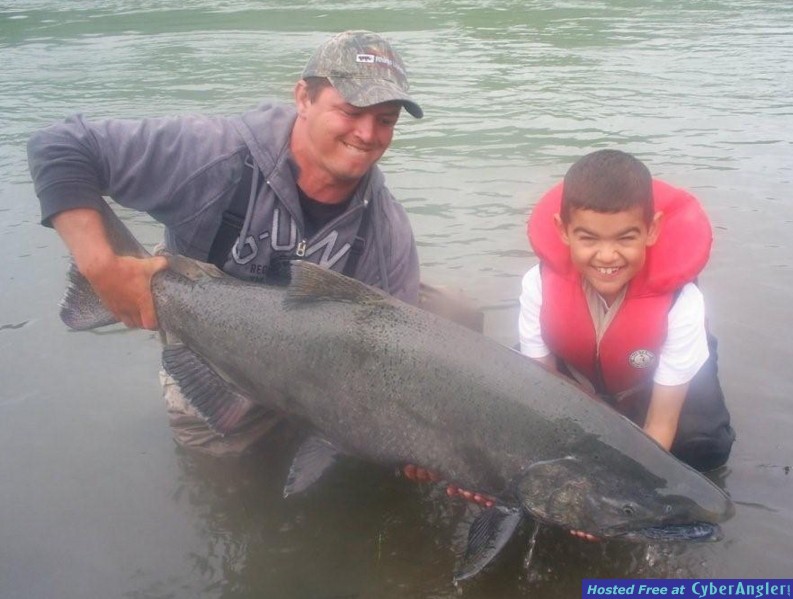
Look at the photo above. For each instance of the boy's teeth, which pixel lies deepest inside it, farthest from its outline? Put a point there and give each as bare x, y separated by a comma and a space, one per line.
608, 271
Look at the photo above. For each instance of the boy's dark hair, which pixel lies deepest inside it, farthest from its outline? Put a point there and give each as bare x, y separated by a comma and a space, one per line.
607, 181
314, 85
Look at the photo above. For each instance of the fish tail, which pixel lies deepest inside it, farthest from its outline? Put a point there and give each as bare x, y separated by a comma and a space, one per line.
81, 308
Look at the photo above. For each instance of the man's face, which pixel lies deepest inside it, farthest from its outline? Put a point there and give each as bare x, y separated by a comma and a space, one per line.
342, 141
608, 249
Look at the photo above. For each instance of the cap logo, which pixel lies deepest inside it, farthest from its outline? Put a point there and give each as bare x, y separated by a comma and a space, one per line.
641, 358
375, 59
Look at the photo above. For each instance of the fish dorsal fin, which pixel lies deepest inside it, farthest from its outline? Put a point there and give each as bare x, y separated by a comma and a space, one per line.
216, 401
313, 458
487, 536
312, 283
194, 269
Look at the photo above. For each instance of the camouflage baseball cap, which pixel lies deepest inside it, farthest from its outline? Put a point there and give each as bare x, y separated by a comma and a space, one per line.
364, 69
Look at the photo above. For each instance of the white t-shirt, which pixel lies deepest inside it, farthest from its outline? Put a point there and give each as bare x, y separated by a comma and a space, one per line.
682, 354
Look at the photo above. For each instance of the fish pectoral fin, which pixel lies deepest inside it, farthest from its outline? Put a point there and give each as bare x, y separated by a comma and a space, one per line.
215, 400
487, 536
313, 458
312, 283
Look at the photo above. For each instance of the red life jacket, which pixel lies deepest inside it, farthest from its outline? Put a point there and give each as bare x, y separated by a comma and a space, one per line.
628, 352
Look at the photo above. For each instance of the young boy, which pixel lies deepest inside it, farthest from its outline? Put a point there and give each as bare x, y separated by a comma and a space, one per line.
614, 304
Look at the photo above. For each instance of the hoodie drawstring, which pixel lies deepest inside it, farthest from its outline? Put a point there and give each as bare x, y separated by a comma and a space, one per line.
246, 224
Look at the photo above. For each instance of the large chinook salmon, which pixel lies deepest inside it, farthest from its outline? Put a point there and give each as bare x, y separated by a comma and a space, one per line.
372, 377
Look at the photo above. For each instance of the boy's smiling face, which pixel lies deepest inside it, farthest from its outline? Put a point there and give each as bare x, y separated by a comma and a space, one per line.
608, 249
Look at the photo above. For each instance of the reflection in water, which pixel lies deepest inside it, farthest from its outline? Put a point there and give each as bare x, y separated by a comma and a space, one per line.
360, 531
363, 532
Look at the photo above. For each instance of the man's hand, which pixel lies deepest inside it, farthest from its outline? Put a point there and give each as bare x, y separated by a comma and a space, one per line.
122, 283
415, 473
124, 286
584, 535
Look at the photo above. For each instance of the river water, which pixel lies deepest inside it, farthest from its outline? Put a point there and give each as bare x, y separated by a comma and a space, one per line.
95, 499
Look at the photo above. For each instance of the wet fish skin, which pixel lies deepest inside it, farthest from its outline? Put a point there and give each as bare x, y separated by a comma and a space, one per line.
390, 383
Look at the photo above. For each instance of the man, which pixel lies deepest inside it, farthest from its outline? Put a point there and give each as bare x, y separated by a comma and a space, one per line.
245, 193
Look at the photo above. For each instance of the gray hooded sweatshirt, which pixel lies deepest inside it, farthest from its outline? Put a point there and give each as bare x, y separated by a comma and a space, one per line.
184, 172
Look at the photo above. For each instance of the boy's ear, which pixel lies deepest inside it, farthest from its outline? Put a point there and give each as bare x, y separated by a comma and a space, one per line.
655, 228
560, 227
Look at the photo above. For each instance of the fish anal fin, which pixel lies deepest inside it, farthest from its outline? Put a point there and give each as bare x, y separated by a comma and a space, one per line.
487, 536
215, 400
313, 458
311, 283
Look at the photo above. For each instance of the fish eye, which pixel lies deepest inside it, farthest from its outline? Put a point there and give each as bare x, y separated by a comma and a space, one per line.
628, 509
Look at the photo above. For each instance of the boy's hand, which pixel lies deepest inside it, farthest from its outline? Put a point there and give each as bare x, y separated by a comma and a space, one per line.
663, 413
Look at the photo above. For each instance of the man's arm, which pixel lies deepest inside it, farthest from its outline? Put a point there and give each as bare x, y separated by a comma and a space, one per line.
404, 273
663, 413
398, 248
142, 164
122, 283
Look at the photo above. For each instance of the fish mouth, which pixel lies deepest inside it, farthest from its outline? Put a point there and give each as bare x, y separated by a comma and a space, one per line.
694, 531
